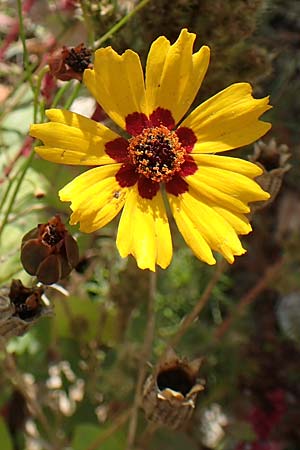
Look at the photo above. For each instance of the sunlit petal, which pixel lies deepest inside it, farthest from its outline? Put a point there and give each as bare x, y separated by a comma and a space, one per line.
72, 139
144, 231
228, 120
117, 83
174, 74
95, 196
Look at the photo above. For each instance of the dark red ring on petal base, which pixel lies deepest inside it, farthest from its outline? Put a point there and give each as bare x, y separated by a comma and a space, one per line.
161, 116
177, 186
189, 167
136, 122
187, 138
147, 188
126, 176
117, 149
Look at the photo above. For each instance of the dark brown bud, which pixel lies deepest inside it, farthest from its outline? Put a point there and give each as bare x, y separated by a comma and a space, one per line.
20, 308
70, 63
49, 252
170, 393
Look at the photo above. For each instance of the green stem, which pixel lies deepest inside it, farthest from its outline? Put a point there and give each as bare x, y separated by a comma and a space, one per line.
120, 24
88, 22
60, 93
37, 92
72, 97
24, 169
23, 40
9, 186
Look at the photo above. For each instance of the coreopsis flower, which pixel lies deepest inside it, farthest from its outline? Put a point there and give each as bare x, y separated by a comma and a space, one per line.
168, 156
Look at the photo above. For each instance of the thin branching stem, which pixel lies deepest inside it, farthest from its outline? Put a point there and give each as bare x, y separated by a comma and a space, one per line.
144, 358
270, 273
117, 423
193, 315
120, 24
25, 167
27, 67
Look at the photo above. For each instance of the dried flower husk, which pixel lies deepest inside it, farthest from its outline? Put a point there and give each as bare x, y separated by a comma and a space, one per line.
70, 62
20, 308
170, 393
49, 252
273, 159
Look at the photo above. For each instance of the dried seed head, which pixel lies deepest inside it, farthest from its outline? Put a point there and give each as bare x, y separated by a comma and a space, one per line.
70, 63
273, 159
49, 251
20, 308
170, 393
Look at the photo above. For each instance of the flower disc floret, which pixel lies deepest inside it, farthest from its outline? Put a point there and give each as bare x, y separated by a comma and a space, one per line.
156, 153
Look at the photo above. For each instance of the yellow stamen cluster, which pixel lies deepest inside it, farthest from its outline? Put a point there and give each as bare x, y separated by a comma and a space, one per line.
156, 153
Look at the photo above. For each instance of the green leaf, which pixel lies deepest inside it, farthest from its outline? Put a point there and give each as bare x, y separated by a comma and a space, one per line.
87, 434
84, 318
5, 439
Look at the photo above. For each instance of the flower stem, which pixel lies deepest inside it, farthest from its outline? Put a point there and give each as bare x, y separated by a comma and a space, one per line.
120, 24
72, 97
144, 357
192, 316
269, 275
27, 67
24, 169
60, 93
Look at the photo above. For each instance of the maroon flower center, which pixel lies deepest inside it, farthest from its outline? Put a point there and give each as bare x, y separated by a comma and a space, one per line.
156, 153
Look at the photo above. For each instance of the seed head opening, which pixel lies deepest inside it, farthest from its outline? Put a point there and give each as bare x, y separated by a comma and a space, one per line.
176, 379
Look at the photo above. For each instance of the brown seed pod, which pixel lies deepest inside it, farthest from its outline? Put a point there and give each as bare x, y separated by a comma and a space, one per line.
170, 393
49, 251
70, 63
20, 308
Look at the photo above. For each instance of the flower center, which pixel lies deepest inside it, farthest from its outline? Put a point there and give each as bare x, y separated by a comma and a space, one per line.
156, 153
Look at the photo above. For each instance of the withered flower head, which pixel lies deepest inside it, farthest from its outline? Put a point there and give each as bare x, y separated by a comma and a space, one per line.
27, 301
49, 251
69, 63
273, 159
170, 394
20, 307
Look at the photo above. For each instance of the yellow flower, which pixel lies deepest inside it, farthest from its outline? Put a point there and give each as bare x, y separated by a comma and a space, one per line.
208, 194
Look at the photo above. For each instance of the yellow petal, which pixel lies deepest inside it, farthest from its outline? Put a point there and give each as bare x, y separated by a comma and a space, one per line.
73, 139
190, 232
174, 74
235, 185
214, 195
117, 83
228, 120
239, 222
213, 227
144, 231
96, 197
226, 162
